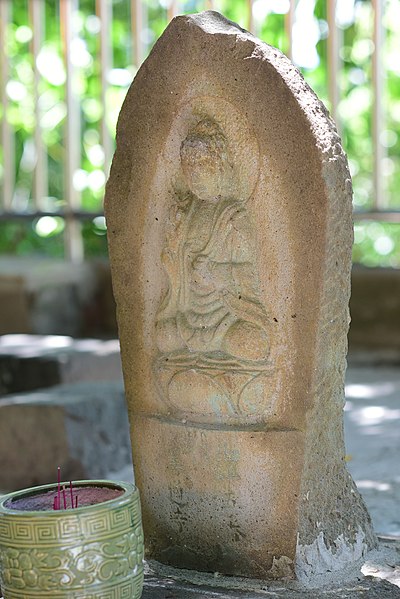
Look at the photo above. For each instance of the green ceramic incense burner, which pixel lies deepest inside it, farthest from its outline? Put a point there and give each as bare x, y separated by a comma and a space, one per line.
91, 552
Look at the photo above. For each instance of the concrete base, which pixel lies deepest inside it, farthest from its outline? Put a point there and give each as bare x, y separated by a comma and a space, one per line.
83, 428
162, 582
368, 588
29, 362
48, 296
374, 309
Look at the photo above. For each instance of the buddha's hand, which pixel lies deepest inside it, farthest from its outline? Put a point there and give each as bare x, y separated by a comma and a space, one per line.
202, 271
201, 265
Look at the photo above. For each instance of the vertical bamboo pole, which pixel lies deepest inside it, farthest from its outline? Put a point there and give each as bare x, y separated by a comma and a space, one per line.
333, 61
73, 237
104, 12
40, 185
289, 22
7, 135
173, 9
377, 112
137, 26
250, 16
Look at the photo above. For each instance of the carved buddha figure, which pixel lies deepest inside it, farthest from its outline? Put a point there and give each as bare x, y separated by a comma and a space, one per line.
211, 306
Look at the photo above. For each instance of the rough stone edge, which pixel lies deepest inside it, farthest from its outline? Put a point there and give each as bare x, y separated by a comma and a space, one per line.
343, 546
334, 169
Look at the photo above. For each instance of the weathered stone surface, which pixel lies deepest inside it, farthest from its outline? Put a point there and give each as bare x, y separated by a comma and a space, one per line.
29, 362
82, 427
14, 310
375, 309
229, 223
53, 297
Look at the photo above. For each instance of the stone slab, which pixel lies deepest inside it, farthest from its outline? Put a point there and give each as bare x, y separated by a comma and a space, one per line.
14, 305
381, 581
56, 294
47, 296
369, 588
375, 309
229, 222
29, 362
81, 427
166, 588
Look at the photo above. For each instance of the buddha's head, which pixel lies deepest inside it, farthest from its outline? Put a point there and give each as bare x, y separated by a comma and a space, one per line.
205, 162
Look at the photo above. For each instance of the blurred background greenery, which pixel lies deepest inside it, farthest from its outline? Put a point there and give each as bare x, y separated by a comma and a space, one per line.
376, 243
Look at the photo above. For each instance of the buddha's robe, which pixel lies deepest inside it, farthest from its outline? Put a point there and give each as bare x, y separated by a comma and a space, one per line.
211, 303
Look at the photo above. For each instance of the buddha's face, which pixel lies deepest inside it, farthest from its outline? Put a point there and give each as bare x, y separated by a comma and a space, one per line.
204, 163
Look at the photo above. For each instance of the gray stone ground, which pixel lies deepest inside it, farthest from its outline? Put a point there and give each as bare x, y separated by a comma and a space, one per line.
372, 427
30, 362
158, 587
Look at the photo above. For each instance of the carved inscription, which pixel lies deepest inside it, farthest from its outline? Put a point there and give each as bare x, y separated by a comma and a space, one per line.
179, 508
211, 329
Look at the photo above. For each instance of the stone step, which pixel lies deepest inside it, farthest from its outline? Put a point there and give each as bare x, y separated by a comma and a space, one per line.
82, 427
52, 296
29, 362
156, 587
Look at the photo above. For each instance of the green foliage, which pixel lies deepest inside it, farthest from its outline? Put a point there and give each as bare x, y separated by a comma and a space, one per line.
376, 243
21, 239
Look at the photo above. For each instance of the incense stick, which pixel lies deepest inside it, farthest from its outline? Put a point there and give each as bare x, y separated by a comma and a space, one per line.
59, 487
57, 498
71, 494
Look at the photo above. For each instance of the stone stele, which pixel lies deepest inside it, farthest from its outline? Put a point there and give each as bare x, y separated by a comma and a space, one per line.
229, 221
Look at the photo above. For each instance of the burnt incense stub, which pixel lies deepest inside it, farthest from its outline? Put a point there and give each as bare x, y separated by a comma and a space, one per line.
229, 221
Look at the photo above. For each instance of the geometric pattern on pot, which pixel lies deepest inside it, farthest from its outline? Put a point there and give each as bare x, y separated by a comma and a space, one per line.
17, 529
